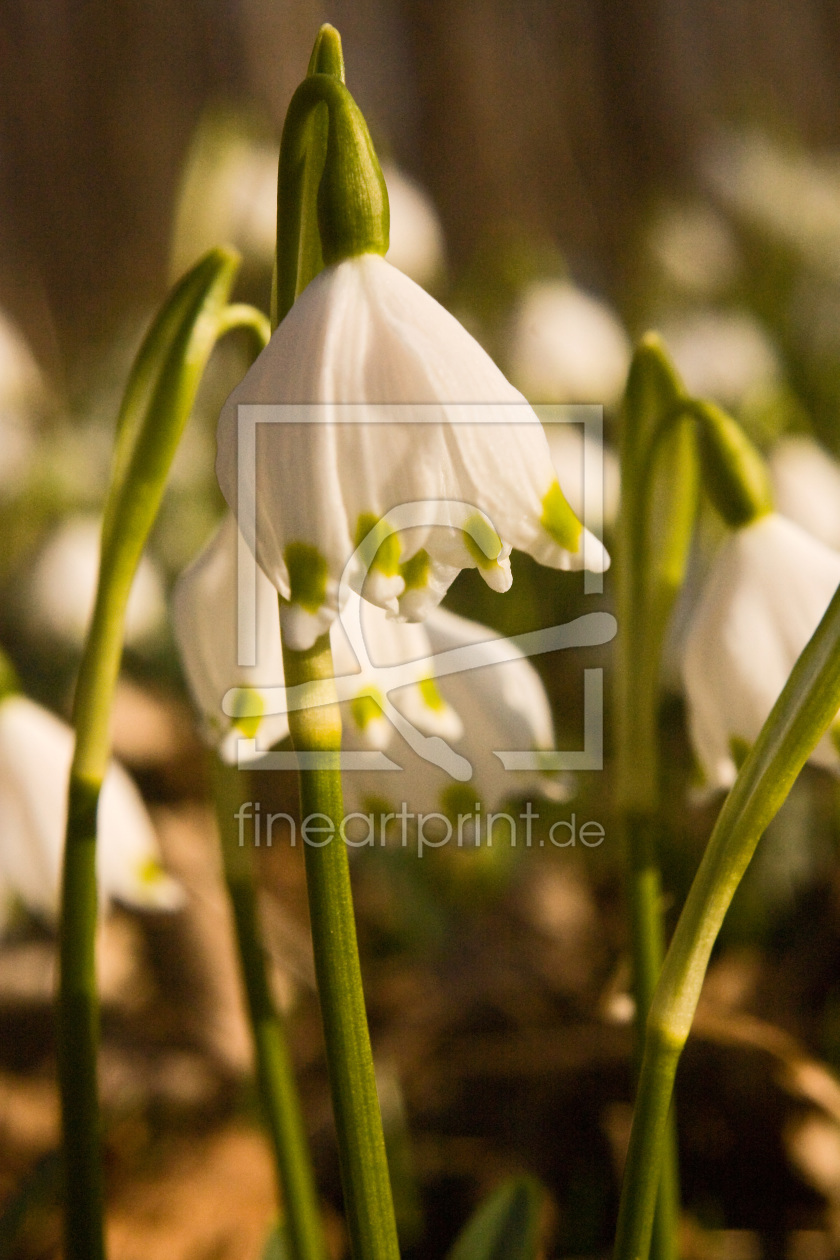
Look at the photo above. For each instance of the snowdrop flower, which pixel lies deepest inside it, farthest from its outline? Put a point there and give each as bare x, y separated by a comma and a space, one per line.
806, 484
502, 706
362, 333
205, 620
63, 587
36, 749
566, 346
724, 355
416, 245
766, 593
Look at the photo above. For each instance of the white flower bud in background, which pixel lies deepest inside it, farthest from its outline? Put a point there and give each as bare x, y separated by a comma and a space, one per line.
416, 237
363, 333
62, 588
724, 355
806, 485
695, 249
765, 595
567, 346
36, 750
22, 388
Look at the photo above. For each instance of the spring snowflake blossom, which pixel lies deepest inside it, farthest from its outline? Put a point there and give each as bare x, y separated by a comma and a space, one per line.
36, 749
765, 596
409, 410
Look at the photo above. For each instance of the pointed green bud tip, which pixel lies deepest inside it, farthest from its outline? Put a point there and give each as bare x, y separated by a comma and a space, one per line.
734, 473
353, 212
653, 384
327, 54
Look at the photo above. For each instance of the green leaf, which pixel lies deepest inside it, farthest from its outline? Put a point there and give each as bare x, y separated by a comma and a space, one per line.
505, 1226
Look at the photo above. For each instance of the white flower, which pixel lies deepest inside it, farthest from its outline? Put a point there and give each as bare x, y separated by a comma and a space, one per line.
416, 237
502, 707
767, 591
589, 472
362, 333
205, 619
725, 355
567, 346
806, 486
36, 749
63, 587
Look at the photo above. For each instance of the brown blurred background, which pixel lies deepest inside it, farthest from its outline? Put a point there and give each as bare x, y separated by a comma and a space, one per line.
561, 117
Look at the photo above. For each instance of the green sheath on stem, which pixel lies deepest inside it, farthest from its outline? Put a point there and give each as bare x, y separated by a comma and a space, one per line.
361, 1145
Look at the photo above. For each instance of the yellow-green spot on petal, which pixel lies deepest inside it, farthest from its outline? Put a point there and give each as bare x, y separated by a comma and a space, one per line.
307, 575
249, 709
382, 549
415, 572
366, 708
559, 520
431, 696
483, 543
738, 750
150, 872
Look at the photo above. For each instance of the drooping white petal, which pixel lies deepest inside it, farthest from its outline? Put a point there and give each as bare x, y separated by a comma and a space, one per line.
767, 591
36, 749
205, 606
806, 484
364, 335
502, 707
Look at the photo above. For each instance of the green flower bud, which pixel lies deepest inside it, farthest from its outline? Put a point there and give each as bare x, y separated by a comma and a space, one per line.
734, 473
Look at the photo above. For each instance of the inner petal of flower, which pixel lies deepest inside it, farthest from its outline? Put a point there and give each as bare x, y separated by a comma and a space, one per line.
415, 572
367, 707
482, 541
250, 708
559, 520
432, 698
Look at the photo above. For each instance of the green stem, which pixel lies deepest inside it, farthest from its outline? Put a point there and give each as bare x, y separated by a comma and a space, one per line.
654, 534
808, 704
275, 1072
361, 1145
158, 400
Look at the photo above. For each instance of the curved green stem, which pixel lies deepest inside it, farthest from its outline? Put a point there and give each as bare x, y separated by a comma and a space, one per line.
158, 399
361, 1145
275, 1072
807, 706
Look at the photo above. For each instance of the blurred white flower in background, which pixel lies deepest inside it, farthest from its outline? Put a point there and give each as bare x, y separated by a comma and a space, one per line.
36, 749
767, 590
566, 346
695, 249
791, 194
228, 193
62, 588
416, 237
725, 355
806, 486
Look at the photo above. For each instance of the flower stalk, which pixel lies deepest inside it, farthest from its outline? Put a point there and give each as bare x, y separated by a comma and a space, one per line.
275, 1072
316, 729
656, 521
157, 402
